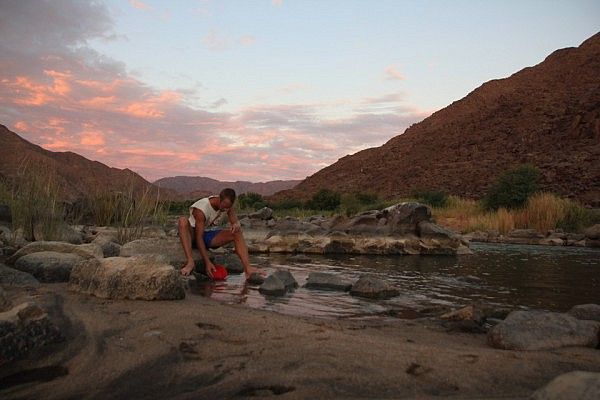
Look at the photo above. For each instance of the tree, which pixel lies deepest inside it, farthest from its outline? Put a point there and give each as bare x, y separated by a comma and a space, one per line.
324, 199
513, 188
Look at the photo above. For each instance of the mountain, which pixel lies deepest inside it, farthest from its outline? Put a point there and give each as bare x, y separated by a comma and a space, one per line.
547, 115
76, 175
198, 186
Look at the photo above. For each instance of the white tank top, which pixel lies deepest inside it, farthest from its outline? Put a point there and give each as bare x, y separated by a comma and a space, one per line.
213, 218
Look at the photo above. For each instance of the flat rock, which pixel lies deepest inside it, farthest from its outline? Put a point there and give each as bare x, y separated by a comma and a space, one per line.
374, 288
328, 281
23, 328
586, 312
109, 245
14, 277
168, 247
48, 266
540, 330
140, 278
272, 286
580, 385
88, 250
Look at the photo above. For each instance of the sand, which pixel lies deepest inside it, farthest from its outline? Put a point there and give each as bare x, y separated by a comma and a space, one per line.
199, 348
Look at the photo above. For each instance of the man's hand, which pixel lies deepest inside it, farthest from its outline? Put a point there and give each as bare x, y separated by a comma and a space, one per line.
235, 227
210, 268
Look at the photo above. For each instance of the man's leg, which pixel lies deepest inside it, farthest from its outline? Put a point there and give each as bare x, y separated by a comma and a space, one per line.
241, 249
185, 235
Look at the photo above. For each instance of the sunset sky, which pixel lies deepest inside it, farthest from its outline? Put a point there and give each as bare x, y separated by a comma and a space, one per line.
256, 89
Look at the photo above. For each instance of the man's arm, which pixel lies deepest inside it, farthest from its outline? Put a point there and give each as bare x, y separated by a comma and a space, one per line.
199, 232
233, 220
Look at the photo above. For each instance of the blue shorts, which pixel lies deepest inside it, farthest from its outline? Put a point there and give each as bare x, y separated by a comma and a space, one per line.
207, 237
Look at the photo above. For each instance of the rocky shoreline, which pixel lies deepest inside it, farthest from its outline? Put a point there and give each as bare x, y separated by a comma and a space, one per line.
589, 238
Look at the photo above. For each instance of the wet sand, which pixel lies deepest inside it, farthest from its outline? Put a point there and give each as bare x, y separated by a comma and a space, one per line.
199, 348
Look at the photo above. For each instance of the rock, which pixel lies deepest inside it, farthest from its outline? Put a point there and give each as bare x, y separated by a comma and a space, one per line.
48, 266
593, 232
468, 313
153, 232
5, 214
231, 262
525, 234
255, 278
23, 328
372, 287
110, 248
580, 385
539, 330
431, 230
14, 277
324, 280
299, 258
586, 312
168, 247
287, 278
554, 241
88, 250
404, 217
272, 286
5, 302
363, 224
264, 213
136, 277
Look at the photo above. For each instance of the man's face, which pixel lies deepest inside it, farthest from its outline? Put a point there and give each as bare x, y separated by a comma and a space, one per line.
225, 204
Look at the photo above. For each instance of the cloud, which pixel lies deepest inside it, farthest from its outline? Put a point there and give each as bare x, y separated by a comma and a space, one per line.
391, 73
247, 40
59, 93
140, 5
218, 41
277, 3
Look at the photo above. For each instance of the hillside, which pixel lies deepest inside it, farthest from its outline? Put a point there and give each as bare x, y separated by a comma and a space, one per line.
547, 115
76, 175
198, 186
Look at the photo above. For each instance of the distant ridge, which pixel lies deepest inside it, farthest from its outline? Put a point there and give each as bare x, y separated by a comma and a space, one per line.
198, 186
547, 115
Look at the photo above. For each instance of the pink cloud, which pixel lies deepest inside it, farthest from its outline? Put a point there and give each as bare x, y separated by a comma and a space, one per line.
392, 73
140, 5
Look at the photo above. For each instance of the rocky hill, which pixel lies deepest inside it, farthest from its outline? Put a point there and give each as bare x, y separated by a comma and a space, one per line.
198, 186
76, 175
547, 115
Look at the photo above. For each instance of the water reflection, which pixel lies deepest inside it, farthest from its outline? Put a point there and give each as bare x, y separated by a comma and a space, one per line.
516, 276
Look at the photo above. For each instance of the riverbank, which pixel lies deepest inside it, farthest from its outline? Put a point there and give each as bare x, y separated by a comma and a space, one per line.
200, 348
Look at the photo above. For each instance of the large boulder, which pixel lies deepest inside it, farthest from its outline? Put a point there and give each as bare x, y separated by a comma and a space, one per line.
374, 288
48, 266
327, 281
404, 217
539, 330
231, 262
580, 385
287, 278
586, 311
23, 328
136, 277
264, 213
13, 277
593, 232
88, 250
5, 302
168, 247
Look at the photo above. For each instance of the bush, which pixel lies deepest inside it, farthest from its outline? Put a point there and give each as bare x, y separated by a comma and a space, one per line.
247, 200
432, 198
324, 199
287, 204
513, 188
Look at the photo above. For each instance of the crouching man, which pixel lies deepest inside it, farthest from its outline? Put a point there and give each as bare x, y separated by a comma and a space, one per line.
202, 229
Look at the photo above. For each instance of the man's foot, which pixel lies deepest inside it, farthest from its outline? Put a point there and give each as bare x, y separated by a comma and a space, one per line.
188, 268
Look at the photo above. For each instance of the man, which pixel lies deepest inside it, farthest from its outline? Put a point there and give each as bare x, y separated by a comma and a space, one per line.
203, 228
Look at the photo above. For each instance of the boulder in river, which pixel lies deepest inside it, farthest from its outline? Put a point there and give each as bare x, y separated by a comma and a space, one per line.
372, 287
23, 328
168, 247
540, 330
580, 385
327, 281
140, 278
272, 286
255, 278
14, 277
586, 311
287, 278
48, 266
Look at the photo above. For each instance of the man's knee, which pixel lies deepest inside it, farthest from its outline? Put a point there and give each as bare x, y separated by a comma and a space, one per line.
183, 222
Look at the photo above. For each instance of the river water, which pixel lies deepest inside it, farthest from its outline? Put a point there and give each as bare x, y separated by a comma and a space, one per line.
502, 275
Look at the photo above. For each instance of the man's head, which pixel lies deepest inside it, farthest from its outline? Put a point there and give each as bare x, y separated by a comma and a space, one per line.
227, 198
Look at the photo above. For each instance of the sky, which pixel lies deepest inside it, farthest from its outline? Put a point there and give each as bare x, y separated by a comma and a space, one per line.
256, 90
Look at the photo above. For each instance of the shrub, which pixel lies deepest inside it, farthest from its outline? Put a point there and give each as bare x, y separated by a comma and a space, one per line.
432, 198
286, 204
324, 199
247, 200
513, 188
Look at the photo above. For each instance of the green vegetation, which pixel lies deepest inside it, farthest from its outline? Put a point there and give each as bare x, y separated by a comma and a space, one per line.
250, 200
324, 199
513, 188
432, 198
